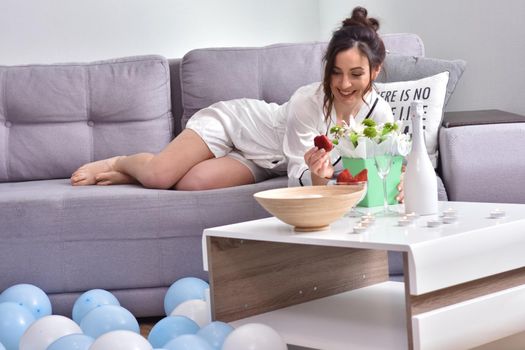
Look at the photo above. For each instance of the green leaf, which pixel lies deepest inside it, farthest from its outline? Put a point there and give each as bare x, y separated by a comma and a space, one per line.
335, 141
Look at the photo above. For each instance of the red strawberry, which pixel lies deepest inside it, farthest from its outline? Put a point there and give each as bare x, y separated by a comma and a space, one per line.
345, 176
362, 176
322, 141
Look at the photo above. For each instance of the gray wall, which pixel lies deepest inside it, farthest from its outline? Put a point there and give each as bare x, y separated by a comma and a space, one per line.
491, 38
489, 35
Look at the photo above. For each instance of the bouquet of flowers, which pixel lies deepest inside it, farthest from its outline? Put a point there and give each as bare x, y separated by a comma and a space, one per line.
378, 148
367, 139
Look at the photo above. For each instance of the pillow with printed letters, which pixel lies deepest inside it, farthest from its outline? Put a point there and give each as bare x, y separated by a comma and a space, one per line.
419, 78
431, 91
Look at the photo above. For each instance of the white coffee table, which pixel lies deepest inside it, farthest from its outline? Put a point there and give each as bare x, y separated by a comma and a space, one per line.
464, 282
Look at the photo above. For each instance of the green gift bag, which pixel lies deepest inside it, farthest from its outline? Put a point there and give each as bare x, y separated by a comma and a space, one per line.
374, 193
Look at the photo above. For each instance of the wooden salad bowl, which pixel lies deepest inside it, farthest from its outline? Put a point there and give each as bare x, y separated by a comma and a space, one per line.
310, 208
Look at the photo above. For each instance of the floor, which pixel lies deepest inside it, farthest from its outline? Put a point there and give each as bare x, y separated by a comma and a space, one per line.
146, 323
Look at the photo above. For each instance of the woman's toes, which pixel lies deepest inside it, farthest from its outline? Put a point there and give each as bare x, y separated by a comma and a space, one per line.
77, 178
85, 175
83, 182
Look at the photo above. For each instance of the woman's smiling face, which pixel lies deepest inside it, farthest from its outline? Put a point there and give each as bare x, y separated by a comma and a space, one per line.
350, 79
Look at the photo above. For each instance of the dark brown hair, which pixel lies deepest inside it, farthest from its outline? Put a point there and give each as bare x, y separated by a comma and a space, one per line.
361, 31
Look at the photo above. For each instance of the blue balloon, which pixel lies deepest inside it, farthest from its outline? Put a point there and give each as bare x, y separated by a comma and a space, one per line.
107, 318
72, 342
30, 296
215, 333
91, 299
186, 288
188, 342
169, 328
14, 320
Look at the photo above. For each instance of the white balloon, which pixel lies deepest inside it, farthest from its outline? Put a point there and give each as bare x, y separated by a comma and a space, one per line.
121, 340
195, 309
46, 330
254, 336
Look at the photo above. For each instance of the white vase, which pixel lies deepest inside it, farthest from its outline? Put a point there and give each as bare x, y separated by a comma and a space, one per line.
420, 183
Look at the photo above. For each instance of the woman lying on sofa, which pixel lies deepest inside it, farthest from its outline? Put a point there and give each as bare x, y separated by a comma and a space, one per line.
244, 141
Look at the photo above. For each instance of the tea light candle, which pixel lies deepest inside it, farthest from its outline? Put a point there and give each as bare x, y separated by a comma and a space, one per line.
497, 213
359, 228
404, 221
433, 223
450, 212
365, 222
368, 216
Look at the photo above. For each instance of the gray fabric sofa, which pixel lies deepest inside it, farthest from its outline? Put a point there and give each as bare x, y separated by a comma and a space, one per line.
126, 239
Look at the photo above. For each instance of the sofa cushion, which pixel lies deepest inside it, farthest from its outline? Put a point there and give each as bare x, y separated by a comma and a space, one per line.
70, 239
409, 72
404, 44
54, 118
220, 74
431, 92
271, 73
403, 68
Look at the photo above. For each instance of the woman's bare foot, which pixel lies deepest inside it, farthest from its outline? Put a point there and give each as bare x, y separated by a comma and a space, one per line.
85, 175
114, 178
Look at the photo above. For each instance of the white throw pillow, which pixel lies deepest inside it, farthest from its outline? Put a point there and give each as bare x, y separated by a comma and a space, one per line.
431, 91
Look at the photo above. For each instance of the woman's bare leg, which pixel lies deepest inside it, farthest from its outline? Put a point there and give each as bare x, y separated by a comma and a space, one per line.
215, 173
163, 170
209, 174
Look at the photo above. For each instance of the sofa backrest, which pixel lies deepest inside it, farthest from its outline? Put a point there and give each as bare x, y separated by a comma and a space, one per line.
54, 118
271, 73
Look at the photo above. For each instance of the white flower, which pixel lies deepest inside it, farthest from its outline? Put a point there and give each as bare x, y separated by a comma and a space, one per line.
363, 140
357, 128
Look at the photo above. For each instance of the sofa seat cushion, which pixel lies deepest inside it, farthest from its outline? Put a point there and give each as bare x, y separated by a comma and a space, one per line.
54, 118
76, 238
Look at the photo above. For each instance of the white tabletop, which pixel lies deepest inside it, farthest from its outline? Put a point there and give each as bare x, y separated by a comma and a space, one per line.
384, 234
476, 240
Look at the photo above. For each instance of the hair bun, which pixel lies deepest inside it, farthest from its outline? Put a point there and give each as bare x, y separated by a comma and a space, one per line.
360, 18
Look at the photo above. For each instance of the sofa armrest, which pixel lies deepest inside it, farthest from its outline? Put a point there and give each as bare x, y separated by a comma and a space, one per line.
482, 117
481, 156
